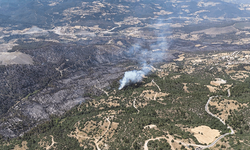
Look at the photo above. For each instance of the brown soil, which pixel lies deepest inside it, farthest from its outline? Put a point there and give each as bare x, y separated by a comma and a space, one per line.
24, 146
113, 127
175, 77
227, 86
240, 76
149, 84
162, 74
150, 126
218, 82
94, 131
212, 88
80, 135
152, 95
226, 106
247, 68
52, 143
169, 66
221, 143
246, 52
205, 134
181, 58
185, 88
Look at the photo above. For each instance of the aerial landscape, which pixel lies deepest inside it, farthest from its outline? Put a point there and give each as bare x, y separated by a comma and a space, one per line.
124, 74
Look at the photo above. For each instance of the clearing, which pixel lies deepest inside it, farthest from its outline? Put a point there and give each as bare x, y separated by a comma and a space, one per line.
205, 134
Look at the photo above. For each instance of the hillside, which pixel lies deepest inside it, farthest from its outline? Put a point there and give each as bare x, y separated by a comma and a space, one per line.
164, 111
126, 74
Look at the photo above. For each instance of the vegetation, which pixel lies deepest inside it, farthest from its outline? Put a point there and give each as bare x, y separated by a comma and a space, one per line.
170, 114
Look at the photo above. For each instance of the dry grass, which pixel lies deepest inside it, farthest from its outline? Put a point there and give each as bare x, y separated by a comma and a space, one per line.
185, 88
240, 76
93, 131
205, 134
225, 143
80, 135
169, 66
175, 77
247, 68
24, 146
150, 126
218, 82
162, 74
181, 58
212, 88
225, 106
152, 95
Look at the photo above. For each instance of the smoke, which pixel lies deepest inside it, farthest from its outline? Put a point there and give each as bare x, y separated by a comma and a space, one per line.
146, 57
133, 76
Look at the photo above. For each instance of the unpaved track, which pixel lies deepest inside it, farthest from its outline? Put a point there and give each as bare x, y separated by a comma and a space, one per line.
106, 130
199, 147
52, 144
136, 107
155, 96
207, 110
222, 136
146, 142
98, 140
156, 85
229, 93
102, 90
169, 141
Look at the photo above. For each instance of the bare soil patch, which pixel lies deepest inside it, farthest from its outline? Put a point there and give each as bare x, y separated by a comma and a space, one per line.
24, 146
93, 131
212, 88
175, 77
150, 126
240, 76
162, 74
205, 134
246, 52
247, 68
181, 58
185, 88
169, 66
218, 82
152, 95
52, 143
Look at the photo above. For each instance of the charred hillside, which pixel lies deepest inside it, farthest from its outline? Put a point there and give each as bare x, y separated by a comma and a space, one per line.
55, 54
60, 78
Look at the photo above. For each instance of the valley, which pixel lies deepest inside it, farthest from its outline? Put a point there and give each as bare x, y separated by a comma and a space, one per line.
158, 111
62, 62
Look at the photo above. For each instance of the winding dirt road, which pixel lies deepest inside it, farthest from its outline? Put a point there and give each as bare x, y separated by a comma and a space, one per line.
229, 93
102, 90
222, 136
100, 138
199, 147
136, 107
146, 142
156, 85
52, 144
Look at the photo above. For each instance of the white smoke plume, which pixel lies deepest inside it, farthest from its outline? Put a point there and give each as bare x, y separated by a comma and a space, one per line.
133, 76
155, 54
